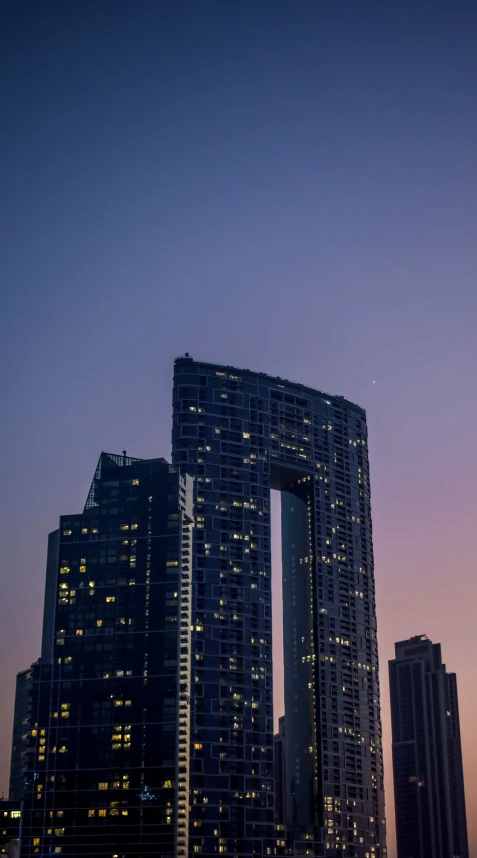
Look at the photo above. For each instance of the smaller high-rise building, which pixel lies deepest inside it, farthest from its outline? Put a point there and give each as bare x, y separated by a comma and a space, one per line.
427, 756
280, 780
21, 728
10, 826
104, 752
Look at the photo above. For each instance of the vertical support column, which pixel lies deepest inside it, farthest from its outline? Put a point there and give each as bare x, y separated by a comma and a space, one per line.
184, 668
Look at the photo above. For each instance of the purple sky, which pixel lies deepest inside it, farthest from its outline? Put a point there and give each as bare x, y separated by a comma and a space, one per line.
288, 187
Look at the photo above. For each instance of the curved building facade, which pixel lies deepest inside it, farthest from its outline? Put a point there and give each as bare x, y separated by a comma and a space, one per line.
241, 434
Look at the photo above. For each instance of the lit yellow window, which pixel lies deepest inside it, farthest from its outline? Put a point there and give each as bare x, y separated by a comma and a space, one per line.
135, 482
67, 532
84, 530
110, 598
91, 812
102, 812
103, 785
99, 622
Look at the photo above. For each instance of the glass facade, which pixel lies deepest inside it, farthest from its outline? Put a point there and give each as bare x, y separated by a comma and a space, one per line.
106, 764
241, 434
427, 757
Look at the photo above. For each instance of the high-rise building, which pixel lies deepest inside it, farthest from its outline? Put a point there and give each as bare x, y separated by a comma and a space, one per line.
427, 756
240, 434
280, 777
108, 763
21, 732
10, 824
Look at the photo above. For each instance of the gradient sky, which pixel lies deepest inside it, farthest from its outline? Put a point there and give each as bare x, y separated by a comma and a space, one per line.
284, 186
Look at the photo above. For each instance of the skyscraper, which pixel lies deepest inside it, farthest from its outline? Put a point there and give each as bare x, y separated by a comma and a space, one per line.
240, 434
280, 778
21, 734
107, 763
427, 756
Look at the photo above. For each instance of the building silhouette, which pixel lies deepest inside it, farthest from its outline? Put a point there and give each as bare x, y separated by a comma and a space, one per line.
280, 777
427, 756
10, 816
21, 732
107, 753
240, 434
151, 707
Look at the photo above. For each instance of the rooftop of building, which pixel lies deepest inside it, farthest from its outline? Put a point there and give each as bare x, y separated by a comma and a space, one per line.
302, 388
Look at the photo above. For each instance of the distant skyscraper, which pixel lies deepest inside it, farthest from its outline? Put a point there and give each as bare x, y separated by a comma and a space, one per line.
239, 434
21, 732
10, 815
108, 756
280, 779
427, 757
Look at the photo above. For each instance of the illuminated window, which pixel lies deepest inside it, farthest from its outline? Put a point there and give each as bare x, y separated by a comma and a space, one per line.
102, 811
91, 812
110, 598
103, 785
